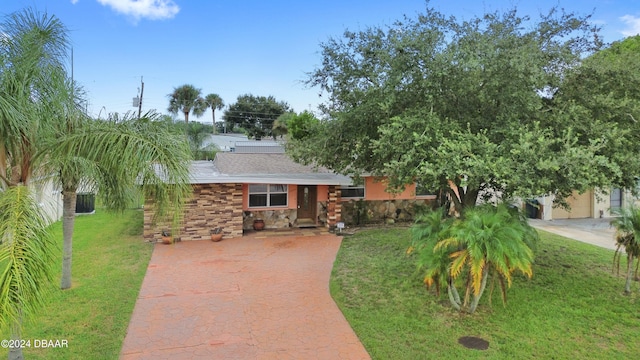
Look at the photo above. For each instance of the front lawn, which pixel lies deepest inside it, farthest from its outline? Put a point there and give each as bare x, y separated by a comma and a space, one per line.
109, 262
572, 308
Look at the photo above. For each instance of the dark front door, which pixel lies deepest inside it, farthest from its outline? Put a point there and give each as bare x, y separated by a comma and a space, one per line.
307, 199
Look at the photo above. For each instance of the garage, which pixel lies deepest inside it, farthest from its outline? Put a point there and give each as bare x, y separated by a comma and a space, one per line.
581, 207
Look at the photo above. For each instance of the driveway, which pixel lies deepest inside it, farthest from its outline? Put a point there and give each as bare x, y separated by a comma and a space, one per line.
241, 298
592, 231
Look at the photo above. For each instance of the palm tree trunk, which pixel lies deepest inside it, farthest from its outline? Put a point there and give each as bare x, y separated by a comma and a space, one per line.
213, 115
454, 297
68, 220
476, 297
627, 285
186, 117
15, 353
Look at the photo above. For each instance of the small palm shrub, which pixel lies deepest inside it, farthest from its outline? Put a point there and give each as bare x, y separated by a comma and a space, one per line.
487, 243
627, 224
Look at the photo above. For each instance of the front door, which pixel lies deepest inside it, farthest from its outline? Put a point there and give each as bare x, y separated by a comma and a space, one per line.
307, 199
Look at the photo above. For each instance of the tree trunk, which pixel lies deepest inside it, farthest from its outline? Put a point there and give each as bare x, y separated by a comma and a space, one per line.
213, 115
15, 353
476, 297
627, 285
186, 117
68, 220
454, 297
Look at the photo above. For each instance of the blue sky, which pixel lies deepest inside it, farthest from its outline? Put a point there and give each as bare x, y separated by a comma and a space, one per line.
234, 47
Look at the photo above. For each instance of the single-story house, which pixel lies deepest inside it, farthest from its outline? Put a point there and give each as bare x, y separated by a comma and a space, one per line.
590, 204
236, 188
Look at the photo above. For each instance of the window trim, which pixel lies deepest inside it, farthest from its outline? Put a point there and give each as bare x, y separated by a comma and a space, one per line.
268, 193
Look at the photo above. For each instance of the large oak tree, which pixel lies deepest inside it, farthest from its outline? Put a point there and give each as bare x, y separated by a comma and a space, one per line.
255, 114
471, 107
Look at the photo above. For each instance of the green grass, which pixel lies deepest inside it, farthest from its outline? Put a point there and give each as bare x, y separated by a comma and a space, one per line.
109, 262
572, 308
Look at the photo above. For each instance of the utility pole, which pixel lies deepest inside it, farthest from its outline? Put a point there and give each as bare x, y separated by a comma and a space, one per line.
141, 93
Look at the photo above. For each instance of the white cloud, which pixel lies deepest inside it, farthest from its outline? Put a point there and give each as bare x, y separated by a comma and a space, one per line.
633, 25
74, 1
149, 9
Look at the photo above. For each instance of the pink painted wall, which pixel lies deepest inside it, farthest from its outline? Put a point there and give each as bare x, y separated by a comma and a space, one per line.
375, 188
323, 192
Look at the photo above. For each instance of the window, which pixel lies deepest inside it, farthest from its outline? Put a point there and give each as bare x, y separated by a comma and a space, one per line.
616, 199
267, 195
352, 192
421, 190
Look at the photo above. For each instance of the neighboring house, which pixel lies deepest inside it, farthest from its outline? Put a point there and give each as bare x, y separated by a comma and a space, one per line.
590, 204
257, 181
48, 194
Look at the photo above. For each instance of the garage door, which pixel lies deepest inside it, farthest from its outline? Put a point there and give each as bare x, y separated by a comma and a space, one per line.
581, 205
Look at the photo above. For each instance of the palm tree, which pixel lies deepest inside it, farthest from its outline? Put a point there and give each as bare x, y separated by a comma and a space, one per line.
214, 102
43, 132
187, 98
32, 55
115, 157
429, 229
627, 226
488, 242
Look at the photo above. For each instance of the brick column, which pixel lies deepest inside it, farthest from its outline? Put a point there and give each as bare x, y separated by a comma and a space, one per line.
334, 207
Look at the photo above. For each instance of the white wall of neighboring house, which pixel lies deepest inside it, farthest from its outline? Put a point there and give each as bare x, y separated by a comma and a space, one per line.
49, 197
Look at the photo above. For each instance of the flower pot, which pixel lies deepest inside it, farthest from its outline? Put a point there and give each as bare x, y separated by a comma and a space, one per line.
216, 237
167, 240
258, 224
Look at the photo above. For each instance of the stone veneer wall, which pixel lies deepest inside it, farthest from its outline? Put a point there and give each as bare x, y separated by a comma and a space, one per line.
212, 206
334, 207
360, 212
273, 219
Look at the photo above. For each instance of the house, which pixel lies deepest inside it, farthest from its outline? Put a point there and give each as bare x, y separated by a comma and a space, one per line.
590, 204
258, 181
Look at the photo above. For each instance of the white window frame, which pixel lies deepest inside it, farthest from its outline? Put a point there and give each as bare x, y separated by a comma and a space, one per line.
268, 193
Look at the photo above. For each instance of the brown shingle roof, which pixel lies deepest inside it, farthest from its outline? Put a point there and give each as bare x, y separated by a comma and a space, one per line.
263, 164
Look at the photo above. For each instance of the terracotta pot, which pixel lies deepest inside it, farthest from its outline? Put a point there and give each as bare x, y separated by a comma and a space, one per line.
258, 224
167, 240
216, 237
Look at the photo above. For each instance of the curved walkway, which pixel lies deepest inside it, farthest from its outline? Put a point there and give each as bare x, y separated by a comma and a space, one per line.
242, 298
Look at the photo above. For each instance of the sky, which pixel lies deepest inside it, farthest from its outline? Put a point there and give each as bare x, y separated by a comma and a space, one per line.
236, 47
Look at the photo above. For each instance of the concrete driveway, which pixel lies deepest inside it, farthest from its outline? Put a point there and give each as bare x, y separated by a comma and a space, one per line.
241, 298
592, 231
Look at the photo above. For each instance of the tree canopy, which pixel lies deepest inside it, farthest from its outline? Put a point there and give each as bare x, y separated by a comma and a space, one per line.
472, 107
255, 114
186, 99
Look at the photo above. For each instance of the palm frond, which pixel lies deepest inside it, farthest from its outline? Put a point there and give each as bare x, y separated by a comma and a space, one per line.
26, 254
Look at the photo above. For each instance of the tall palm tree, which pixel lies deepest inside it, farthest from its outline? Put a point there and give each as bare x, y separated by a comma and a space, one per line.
186, 99
214, 102
32, 55
44, 136
627, 226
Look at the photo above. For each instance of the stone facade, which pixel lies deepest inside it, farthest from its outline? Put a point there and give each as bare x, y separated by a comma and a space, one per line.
360, 212
212, 206
273, 219
334, 207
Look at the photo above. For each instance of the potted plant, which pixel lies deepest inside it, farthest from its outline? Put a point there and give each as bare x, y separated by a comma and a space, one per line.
258, 224
216, 234
166, 237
